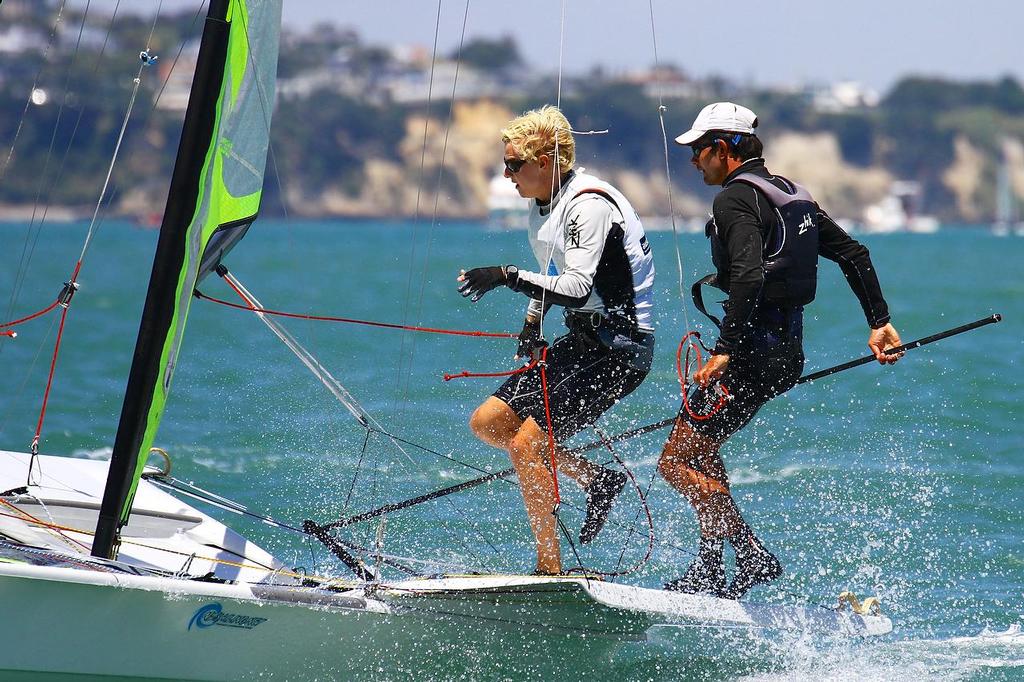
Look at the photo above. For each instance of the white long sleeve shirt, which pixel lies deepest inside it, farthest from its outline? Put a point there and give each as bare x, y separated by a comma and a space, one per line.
592, 252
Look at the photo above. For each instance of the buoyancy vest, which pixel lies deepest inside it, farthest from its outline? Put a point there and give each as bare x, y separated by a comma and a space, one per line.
790, 246
624, 281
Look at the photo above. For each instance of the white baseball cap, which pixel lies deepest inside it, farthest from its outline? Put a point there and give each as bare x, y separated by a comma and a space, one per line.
724, 116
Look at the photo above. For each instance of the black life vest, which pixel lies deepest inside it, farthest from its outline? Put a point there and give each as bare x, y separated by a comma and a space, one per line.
790, 245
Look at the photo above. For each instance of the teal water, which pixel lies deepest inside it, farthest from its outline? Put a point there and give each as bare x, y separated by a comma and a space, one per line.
905, 482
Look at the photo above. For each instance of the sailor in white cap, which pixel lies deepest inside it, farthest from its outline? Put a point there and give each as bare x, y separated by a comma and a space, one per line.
766, 234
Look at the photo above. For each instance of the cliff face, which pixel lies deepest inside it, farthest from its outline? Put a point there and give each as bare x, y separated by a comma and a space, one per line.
816, 162
447, 175
420, 184
471, 155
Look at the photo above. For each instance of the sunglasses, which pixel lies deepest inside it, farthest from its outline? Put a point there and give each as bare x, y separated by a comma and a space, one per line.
513, 166
697, 149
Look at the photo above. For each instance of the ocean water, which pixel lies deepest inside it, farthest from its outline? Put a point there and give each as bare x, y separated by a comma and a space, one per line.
903, 482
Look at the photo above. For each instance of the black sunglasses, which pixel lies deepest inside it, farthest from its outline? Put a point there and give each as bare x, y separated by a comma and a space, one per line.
697, 149
513, 166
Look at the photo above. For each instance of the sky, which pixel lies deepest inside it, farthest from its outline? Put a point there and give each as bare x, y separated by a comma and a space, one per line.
788, 42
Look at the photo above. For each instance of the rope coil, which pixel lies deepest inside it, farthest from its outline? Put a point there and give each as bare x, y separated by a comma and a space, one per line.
723, 393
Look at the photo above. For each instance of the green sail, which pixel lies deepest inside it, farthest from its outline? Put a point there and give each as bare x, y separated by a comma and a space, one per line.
215, 195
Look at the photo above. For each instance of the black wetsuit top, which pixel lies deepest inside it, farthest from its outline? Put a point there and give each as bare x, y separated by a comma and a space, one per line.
743, 217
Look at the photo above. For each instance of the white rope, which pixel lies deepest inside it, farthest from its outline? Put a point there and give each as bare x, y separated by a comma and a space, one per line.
110, 169
668, 175
145, 60
403, 337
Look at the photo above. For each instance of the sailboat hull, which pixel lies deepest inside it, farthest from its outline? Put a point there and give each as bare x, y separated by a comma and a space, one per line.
113, 625
103, 624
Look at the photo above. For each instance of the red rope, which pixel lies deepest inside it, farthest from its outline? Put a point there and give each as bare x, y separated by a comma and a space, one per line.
542, 360
65, 300
464, 374
30, 317
547, 414
723, 396
326, 318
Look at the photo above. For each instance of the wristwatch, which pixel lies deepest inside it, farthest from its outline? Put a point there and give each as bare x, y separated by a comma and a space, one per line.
511, 276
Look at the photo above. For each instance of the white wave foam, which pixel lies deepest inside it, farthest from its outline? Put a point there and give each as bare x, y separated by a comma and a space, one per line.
97, 453
744, 476
235, 466
956, 658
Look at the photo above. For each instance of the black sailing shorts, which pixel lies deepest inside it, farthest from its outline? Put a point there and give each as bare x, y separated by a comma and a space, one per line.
767, 365
585, 377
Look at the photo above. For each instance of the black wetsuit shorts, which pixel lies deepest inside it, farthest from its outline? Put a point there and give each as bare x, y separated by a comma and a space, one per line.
586, 375
767, 363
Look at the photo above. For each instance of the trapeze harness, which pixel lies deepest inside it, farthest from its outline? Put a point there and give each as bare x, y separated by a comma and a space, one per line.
790, 248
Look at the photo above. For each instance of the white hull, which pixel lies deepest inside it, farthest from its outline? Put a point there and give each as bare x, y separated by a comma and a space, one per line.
143, 616
71, 621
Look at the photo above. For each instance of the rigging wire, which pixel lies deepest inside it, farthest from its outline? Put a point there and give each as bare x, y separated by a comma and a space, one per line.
437, 198
20, 272
314, 365
668, 169
362, 416
41, 183
72, 285
65, 298
416, 208
28, 102
23, 265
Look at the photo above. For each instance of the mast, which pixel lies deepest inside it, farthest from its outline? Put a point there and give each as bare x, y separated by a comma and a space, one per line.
215, 191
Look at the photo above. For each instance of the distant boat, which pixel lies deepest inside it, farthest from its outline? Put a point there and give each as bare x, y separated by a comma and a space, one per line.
898, 211
506, 210
1007, 216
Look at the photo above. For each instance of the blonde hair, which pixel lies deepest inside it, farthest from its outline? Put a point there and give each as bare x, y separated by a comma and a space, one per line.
536, 133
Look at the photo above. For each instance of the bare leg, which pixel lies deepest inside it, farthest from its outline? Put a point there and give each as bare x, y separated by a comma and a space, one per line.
496, 424
691, 464
527, 451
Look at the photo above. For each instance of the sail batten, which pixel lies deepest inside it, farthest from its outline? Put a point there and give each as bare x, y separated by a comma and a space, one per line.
215, 194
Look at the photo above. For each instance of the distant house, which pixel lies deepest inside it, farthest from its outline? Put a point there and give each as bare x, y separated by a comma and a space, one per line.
177, 83
668, 82
842, 96
23, 25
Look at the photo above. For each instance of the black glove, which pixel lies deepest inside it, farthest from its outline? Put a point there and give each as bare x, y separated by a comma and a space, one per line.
530, 341
479, 281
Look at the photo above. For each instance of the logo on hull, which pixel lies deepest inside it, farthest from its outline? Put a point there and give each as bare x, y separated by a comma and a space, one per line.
214, 614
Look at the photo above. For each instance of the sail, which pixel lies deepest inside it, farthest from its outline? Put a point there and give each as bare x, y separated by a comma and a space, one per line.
215, 195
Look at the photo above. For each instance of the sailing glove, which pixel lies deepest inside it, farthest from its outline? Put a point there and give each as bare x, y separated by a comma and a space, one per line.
531, 343
478, 281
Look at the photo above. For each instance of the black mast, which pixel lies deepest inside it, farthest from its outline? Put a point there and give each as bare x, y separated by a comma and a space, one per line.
159, 311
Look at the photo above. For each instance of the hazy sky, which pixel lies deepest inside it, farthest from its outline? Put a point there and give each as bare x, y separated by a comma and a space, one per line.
778, 43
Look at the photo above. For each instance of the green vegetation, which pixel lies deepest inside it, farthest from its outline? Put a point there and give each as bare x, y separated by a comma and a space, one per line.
336, 112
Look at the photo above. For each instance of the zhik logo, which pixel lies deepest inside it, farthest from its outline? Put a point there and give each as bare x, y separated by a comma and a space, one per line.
807, 224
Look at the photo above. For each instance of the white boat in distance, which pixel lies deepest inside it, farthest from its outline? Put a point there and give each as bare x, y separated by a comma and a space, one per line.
505, 208
104, 573
899, 211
